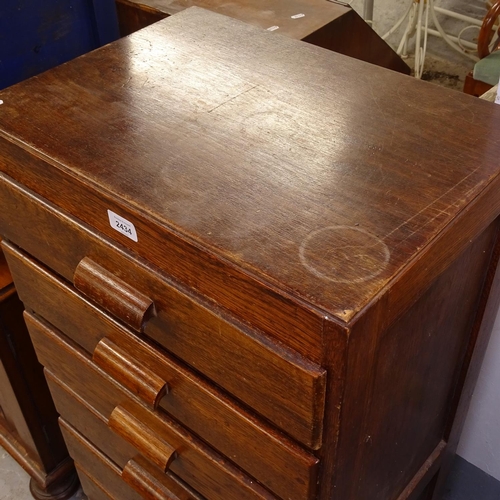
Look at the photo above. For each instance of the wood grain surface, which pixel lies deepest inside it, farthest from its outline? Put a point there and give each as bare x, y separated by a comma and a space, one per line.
319, 237
328, 24
248, 442
196, 463
262, 13
281, 387
114, 295
316, 173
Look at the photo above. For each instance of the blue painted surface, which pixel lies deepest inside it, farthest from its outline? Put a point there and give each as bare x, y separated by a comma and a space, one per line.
36, 35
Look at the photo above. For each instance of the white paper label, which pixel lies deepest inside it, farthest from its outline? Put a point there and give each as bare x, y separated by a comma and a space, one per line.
273, 28
298, 16
122, 225
497, 98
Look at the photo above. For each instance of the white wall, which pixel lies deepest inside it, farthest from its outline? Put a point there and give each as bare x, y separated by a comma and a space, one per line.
480, 441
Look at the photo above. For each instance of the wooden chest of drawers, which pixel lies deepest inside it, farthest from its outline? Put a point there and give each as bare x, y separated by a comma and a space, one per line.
252, 268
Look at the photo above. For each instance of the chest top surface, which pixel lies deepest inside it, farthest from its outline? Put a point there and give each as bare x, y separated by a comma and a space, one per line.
320, 174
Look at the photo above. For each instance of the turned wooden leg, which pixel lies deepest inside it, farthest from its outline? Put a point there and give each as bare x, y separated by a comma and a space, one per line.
61, 489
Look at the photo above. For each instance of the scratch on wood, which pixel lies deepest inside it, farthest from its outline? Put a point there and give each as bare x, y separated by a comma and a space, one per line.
127, 82
388, 119
232, 98
427, 207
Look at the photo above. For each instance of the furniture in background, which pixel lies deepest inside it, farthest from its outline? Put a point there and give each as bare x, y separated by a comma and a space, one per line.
328, 24
28, 419
486, 71
245, 275
491, 94
36, 36
419, 17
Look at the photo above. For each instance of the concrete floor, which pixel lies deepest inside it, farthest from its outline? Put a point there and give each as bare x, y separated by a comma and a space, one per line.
14, 481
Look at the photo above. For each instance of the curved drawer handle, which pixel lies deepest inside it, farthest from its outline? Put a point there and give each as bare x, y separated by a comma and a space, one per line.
113, 294
143, 439
137, 378
142, 481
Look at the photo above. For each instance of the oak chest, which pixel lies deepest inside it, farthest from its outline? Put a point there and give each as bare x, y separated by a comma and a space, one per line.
252, 268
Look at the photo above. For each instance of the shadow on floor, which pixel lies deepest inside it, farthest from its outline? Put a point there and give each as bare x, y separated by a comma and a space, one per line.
467, 482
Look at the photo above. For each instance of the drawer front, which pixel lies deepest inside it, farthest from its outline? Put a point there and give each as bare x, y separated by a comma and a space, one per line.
95, 491
103, 471
268, 456
273, 380
136, 429
101, 478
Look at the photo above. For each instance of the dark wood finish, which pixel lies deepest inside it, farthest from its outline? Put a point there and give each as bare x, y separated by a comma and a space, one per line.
133, 17
60, 484
141, 437
28, 419
416, 488
487, 31
328, 24
67, 401
483, 325
321, 254
116, 296
94, 464
107, 473
150, 484
267, 457
475, 87
195, 463
407, 364
93, 490
283, 387
178, 491
87, 185
136, 377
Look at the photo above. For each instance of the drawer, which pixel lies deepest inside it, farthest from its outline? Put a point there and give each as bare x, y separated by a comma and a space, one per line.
270, 457
128, 429
106, 476
102, 478
103, 395
275, 381
94, 491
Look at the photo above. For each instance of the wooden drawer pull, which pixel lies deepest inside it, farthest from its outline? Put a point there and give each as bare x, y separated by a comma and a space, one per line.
137, 378
140, 476
145, 441
113, 294
144, 483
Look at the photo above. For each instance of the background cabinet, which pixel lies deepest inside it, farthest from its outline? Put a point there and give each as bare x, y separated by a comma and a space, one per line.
28, 420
